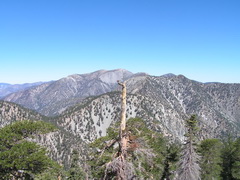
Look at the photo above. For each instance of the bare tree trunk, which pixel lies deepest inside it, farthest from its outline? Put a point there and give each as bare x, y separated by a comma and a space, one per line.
122, 133
59, 177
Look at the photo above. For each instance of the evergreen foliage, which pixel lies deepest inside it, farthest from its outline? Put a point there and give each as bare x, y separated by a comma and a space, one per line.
75, 172
54, 172
236, 160
171, 159
210, 150
231, 159
19, 157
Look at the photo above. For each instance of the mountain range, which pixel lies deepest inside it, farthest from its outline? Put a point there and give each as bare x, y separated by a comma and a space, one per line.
52, 98
6, 89
83, 106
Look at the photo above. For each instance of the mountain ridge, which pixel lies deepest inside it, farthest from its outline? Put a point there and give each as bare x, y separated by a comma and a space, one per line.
84, 106
6, 89
42, 98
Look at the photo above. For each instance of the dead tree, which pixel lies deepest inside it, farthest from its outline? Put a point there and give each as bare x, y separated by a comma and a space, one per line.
122, 135
119, 166
122, 130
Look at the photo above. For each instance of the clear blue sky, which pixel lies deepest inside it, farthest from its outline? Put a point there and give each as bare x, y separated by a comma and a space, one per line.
46, 40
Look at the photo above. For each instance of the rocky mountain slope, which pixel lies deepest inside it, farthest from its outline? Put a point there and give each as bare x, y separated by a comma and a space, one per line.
6, 89
54, 97
91, 118
164, 102
227, 97
10, 112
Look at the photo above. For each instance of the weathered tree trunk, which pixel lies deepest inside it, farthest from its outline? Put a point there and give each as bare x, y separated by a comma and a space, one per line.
122, 131
122, 134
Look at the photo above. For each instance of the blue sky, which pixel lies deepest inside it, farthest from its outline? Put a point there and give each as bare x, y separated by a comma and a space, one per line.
49, 39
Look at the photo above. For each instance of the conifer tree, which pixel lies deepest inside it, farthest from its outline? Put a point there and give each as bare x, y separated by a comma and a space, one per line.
236, 162
210, 150
75, 172
189, 162
228, 159
170, 162
231, 159
20, 158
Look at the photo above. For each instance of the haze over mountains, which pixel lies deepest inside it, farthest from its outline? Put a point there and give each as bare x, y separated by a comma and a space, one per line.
6, 89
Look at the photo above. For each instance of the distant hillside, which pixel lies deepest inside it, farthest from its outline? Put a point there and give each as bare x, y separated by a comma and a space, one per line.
54, 97
6, 89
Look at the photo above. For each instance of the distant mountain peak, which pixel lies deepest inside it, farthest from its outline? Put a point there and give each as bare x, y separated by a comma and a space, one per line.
107, 76
169, 75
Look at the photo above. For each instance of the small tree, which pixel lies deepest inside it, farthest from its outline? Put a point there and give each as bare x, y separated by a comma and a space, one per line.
189, 161
75, 172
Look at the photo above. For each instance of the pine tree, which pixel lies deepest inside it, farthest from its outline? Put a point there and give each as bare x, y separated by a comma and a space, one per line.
189, 161
236, 160
231, 159
75, 172
18, 157
228, 158
52, 173
210, 150
171, 159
